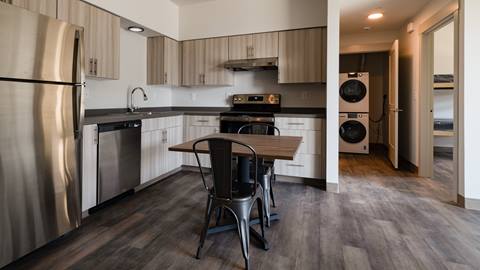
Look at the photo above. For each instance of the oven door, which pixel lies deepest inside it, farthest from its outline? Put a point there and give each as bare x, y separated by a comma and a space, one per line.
231, 124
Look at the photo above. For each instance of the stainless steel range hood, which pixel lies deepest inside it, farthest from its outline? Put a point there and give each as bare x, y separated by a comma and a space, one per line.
252, 64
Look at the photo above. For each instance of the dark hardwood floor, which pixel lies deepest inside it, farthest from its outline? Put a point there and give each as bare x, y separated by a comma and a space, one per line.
443, 168
382, 219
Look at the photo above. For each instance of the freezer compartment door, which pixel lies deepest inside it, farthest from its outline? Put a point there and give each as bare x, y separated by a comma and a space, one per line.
39, 166
40, 48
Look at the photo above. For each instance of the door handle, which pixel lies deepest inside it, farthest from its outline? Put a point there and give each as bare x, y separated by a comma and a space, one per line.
91, 67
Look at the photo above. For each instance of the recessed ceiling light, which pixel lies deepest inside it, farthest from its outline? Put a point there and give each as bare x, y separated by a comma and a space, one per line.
136, 29
375, 16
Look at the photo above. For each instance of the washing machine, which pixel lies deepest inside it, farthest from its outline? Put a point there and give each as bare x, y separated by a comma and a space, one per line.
354, 136
354, 92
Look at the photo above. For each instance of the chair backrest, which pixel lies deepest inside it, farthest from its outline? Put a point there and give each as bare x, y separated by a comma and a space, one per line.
222, 168
259, 129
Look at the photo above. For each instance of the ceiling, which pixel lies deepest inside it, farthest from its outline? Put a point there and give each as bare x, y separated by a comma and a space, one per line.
188, 2
354, 14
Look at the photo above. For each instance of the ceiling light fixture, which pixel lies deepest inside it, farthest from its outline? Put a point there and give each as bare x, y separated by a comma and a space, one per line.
375, 16
136, 29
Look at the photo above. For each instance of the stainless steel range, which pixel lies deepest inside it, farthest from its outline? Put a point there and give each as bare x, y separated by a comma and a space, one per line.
250, 109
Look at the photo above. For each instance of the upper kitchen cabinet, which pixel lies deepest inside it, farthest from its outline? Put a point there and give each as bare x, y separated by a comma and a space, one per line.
102, 37
216, 54
45, 7
263, 45
302, 56
203, 62
193, 64
163, 61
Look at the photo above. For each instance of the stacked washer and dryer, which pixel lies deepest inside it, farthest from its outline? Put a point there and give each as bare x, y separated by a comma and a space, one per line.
354, 112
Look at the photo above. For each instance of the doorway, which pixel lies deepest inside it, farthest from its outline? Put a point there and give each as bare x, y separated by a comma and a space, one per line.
439, 95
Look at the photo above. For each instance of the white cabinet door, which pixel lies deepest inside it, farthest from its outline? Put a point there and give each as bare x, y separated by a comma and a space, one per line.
195, 132
147, 157
304, 165
311, 140
89, 169
300, 123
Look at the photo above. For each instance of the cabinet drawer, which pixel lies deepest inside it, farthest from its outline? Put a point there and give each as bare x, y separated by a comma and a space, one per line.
202, 120
312, 140
304, 165
161, 123
300, 123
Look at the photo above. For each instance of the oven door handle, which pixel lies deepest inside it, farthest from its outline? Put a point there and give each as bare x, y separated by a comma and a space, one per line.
247, 119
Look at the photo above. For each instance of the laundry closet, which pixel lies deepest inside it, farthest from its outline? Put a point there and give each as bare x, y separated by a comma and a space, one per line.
363, 102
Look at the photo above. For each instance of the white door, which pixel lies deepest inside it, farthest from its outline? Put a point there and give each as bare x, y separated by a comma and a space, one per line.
393, 109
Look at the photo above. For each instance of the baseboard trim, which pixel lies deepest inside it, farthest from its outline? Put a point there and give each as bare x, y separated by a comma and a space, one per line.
460, 201
318, 183
158, 179
471, 204
333, 187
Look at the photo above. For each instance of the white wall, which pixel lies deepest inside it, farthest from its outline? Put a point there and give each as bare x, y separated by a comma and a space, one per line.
468, 98
333, 59
101, 94
367, 41
295, 95
233, 17
158, 15
409, 83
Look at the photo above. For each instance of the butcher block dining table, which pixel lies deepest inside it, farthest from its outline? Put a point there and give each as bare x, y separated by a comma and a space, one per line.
267, 147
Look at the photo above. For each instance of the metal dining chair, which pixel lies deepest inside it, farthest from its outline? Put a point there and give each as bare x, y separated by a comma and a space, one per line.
236, 197
267, 166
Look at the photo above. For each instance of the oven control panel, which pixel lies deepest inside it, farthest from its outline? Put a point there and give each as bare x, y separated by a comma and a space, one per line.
270, 99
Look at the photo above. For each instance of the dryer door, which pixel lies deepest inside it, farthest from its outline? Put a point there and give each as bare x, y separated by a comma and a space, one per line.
353, 131
353, 91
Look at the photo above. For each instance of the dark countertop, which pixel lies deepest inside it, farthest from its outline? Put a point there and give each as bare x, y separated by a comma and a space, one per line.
101, 116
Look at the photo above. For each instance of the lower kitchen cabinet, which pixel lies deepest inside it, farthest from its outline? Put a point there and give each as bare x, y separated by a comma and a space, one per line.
157, 136
89, 168
196, 127
310, 159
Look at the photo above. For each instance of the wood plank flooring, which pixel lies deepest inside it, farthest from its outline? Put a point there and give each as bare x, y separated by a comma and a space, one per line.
382, 219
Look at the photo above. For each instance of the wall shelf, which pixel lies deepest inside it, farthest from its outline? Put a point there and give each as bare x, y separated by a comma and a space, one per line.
443, 133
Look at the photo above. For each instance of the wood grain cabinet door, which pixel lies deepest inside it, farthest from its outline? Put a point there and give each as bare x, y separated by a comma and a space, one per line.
172, 62
301, 57
78, 13
193, 63
265, 45
239, 47
156, 60
216, 54
45, 7
106, 31
101, 37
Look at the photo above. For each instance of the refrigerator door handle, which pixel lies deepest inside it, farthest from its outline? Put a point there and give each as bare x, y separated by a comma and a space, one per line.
78, 75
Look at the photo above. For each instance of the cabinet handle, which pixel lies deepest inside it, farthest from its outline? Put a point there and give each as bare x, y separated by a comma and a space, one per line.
295, 165
95, 138
295, 124
91, 66
202, 121
96, 66
166, 78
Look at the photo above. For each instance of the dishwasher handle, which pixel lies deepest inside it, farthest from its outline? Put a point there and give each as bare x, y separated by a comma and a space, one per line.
119, 126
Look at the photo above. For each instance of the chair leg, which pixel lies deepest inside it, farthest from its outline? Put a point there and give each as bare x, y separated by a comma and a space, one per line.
260, 214
266, 197
243, 224
208, 216
219, 211
271, 189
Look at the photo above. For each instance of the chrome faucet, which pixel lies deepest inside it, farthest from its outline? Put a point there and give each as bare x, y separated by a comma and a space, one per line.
132, 107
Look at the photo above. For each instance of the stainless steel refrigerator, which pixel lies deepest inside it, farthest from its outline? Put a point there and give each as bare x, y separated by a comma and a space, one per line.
41, 112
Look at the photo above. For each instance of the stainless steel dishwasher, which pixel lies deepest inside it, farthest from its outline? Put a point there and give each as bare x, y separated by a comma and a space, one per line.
119, 153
